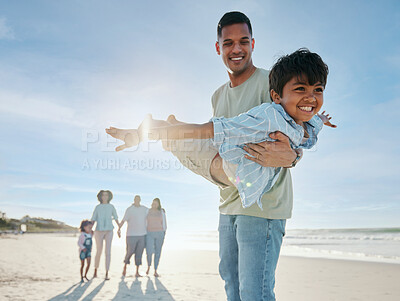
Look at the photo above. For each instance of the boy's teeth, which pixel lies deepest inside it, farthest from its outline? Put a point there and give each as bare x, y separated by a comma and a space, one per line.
236, 58
308, 109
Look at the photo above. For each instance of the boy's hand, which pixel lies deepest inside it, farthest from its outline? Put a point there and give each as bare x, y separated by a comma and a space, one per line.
158, 133
326, 119
84, 250
155, 129
130, 137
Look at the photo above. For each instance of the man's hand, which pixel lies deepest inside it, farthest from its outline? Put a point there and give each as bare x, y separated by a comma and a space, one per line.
272, 154
129, 137
84, 250
326, 119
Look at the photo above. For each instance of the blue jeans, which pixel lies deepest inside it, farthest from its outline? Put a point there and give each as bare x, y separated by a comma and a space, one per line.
249, 250
154, 243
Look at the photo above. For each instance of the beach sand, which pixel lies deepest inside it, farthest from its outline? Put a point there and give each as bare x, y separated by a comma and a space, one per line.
46, 267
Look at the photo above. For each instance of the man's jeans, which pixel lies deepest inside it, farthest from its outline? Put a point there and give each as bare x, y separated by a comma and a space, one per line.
249, 250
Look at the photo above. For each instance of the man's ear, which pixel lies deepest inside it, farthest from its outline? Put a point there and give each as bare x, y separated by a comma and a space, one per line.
217, 48
275, 96
252, 44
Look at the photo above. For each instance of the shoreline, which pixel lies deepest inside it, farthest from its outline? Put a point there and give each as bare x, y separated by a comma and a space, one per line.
46, 267
188, 245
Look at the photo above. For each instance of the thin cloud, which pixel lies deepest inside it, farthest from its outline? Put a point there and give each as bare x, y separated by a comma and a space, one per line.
64, 187
6, 32
44, 110
72, 188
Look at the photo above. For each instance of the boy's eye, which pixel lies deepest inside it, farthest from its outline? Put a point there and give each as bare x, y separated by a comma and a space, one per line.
227, 44
245, 42
300, 89
319, 90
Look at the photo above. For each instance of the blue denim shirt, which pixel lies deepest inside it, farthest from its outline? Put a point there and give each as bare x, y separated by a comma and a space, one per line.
254, 126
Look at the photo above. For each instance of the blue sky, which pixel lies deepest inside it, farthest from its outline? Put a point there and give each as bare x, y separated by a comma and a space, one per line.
69, 69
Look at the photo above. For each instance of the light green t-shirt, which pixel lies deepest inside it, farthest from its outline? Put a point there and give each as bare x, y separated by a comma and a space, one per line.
229, 102
104, 214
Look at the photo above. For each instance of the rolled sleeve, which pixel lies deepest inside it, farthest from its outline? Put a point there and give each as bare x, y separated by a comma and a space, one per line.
249, 127
317, 123
218, 131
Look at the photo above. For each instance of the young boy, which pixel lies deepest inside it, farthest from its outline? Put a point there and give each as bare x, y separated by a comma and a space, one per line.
297, 82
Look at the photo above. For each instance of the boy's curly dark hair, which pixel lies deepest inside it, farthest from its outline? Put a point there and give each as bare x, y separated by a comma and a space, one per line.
84, 223
300, 63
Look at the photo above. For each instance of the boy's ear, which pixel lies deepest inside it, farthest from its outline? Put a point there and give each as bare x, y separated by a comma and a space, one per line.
275, 97
217, 48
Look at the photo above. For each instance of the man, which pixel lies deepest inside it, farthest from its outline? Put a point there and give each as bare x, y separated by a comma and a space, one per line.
249, 238
135, 216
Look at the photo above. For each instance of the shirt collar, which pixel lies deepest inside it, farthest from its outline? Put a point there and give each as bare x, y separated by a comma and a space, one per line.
285, 115
315, 122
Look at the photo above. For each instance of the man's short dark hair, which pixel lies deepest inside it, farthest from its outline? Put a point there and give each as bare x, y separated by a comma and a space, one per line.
300, 63
233, 17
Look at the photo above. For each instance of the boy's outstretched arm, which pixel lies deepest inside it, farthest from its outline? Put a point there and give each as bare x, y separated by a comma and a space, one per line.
182, 131
160, 130
326, 119
130, 137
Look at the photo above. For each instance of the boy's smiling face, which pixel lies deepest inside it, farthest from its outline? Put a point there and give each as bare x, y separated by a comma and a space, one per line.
300, 99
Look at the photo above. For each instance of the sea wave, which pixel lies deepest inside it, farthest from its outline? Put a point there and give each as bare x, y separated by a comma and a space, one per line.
377, 244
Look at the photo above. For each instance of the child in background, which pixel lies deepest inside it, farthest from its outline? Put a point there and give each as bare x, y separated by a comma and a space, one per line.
85, 246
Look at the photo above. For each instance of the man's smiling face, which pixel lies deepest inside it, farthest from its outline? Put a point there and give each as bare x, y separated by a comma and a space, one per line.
300, 99
236, 45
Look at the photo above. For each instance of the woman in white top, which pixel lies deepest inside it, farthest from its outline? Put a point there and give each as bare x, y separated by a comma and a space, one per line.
103, 215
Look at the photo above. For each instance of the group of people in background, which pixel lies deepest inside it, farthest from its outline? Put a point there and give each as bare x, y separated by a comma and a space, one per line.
146, 230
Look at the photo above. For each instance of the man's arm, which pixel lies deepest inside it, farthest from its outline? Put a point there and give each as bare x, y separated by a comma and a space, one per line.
272, 153
121, 224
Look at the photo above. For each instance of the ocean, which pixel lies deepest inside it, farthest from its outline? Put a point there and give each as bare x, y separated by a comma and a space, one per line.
374, 244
